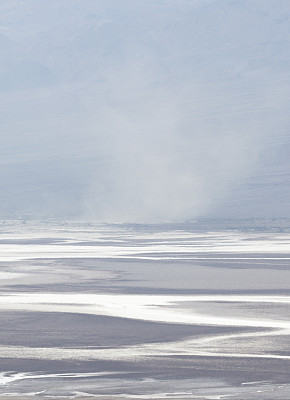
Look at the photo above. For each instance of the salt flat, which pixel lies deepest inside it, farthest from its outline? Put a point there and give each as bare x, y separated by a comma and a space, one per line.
89, 311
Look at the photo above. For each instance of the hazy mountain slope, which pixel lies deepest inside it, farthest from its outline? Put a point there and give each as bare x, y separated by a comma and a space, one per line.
144, 110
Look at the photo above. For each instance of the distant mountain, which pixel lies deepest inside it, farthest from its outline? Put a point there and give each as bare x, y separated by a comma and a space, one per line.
144, 110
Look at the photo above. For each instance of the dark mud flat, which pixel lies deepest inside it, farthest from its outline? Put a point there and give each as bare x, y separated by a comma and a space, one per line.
234, 371
199, 378
68, 330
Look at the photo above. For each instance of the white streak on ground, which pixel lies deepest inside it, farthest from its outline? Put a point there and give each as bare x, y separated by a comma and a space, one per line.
149, 308
160, 246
